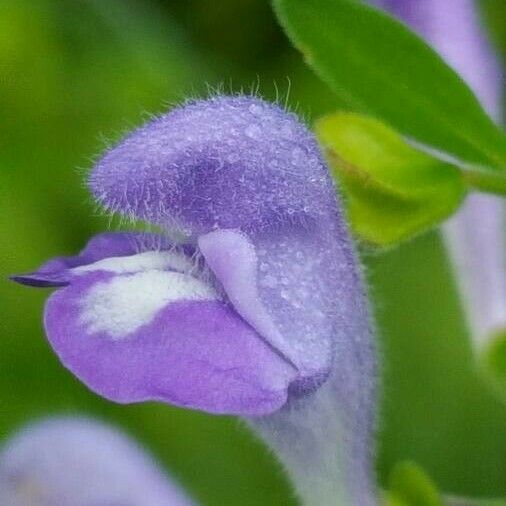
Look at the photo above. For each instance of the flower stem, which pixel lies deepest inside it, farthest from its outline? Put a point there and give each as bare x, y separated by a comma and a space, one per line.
325, 439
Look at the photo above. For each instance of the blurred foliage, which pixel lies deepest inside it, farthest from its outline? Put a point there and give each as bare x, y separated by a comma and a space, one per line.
74, 74
494, 362
408, 485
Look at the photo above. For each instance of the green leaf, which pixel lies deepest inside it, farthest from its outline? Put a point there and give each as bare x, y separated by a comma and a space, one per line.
410, 486
495, 20
377, 66
392, 190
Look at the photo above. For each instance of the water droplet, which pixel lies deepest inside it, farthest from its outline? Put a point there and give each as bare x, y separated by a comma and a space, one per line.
232, 158
269, 281
313, 161
253, 131
255, 109
297, 154
286, 131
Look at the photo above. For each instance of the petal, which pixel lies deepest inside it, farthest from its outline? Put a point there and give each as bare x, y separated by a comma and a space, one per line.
164, 336
223, 162
42, 279
75, 461
282, 289
57, 271
232, 258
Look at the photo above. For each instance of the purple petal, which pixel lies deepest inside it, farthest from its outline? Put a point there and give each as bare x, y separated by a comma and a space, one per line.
57, 271
225, 162
80, 462
232, 258
193, 353
40, 279
284, 287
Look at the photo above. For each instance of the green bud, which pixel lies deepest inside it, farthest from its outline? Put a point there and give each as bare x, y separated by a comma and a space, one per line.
393, 191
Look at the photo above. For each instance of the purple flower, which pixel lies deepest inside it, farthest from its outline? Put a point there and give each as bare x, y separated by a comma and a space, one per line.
475, 236
257, 308
80, 462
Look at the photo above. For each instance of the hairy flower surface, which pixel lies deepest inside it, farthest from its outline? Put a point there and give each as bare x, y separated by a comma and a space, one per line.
80, 462
258, 309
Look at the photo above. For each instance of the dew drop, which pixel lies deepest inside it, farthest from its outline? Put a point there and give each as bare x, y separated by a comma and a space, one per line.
297, 154
253, 131
255, 109
286, 131
269, 281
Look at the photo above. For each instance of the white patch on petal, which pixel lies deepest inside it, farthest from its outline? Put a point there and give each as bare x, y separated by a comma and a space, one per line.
123, 304
141, 262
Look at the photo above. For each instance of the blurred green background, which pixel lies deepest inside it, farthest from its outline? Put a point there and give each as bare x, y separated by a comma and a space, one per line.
75, 75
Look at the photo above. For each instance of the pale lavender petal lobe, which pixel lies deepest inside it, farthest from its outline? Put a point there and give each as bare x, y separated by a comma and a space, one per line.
80, 462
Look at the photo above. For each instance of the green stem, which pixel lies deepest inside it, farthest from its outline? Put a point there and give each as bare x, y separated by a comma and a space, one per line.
485, 181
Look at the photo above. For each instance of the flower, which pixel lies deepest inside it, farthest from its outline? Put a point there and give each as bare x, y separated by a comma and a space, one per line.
247, 305
475, 236
258, 307
71, 461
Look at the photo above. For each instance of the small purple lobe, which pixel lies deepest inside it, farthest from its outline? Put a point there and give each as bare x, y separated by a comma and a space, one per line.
244, 183
79, 462
58, 271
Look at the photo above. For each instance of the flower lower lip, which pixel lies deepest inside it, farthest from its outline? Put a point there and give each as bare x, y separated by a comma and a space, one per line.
137, 325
